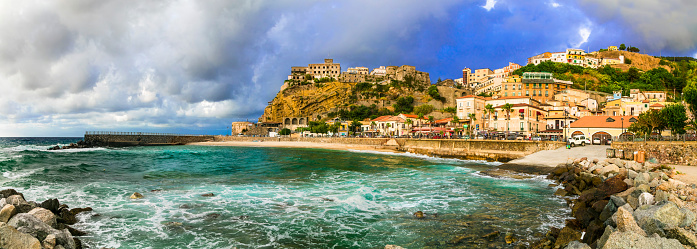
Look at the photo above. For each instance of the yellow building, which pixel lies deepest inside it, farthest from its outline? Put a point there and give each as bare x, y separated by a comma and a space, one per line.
575, 56
612, 48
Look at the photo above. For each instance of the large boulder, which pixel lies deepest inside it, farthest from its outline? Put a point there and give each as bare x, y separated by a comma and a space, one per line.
609, 169
44, 215
623, 240
16, 200
641, 178
51, 204
28, 223
685, 237
7, 212
566, 235
625, 222
645, 199
9, 192
577, 245
11, 238
658, 218
690, 217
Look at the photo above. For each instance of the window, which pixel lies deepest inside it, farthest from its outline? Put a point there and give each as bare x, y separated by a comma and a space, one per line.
527, 93
546, 93
522, 126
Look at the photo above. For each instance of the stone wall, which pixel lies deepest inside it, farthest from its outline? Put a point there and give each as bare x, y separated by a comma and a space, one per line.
467, 149
665, 152
134, 140
502, 151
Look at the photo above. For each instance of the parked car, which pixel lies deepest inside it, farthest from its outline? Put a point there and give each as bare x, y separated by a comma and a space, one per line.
537, 138
579, 140
596, 140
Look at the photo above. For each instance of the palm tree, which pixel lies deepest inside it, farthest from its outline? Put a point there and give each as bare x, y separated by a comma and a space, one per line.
473, 117
490, 110
421, 118
409, 122
430, 124
508, 107
387, 129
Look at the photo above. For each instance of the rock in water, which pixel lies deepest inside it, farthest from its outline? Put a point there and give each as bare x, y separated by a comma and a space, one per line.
419, 214
27, 223
51, 204
208, 195
11, 238
16, 200
44, 215
9, 192
577, 245
7, 212
393, 247
566, 235
136, 195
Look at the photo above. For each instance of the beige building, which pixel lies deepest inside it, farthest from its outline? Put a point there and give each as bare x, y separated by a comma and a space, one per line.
240, 127
319, 70
559, 57
590, 99
601, 127
471, 104
539, 86
523, 118
612, 61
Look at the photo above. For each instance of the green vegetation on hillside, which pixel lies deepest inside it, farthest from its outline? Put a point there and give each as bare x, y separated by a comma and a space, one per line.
360, 112
608, 79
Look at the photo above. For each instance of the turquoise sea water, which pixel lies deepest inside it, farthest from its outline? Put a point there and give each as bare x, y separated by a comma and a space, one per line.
276, 197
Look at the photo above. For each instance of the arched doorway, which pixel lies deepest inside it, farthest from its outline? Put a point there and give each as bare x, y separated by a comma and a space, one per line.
287, 121
577, 133
295, 121
604, 137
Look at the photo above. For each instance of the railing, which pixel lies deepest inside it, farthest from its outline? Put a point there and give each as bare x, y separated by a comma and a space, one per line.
119, 133
674, 138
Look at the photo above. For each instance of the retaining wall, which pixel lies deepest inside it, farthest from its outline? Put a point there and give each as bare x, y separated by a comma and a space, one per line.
143, 140
665, 152
497, 150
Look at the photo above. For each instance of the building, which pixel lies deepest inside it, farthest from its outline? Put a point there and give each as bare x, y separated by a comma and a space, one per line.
612, 48
575, 56
603, 128
240, 127
380, 71
317, 71
523, 118
471, 104
506, 71
358, 70
653, 96
539, 86
612, 61
389, 125
559, 57
590, 99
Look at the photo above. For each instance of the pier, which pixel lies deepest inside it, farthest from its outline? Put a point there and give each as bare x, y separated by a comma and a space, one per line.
119, 139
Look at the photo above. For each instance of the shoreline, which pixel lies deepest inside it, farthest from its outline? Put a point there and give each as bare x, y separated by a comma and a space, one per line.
309, 145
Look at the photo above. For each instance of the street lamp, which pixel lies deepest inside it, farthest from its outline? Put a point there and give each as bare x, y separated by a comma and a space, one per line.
622, 128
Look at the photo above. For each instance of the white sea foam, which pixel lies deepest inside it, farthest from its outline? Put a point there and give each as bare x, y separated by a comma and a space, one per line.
13, 175
425, 157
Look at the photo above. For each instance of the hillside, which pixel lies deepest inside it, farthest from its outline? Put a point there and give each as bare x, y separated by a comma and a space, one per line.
642, 62
325, 99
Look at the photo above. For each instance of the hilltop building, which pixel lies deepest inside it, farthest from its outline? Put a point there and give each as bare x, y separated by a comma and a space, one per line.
317, 71
576, 57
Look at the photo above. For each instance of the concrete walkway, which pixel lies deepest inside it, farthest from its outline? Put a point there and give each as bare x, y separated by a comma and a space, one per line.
552, 158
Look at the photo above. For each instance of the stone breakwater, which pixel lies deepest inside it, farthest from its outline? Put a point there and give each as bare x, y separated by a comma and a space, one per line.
623, 204
668, 152
28, 224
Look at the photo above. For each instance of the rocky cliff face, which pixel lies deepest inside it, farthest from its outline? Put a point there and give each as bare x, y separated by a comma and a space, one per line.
312, 100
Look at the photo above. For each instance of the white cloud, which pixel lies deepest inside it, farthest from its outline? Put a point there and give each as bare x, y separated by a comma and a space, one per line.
489, 5
584, 33
554, 4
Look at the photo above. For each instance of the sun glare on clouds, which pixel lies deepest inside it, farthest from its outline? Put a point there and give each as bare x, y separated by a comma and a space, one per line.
489, 5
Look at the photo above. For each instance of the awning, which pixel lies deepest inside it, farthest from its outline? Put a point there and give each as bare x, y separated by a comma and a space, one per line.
539, 113
521, 111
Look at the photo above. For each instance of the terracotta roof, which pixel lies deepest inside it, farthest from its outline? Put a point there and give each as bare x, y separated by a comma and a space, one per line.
471, 96
410, 115
603, 122
381, 118
657, 105
645, 101
445, 120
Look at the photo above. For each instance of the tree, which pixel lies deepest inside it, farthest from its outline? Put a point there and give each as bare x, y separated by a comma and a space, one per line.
409, 122
423, 110
284, 132
404, 105
355, 126
674, 117
647, 123
450, 110
633, 49
623, 47
439, 80
334, 128
488, 108
690, 96
473, 117
507, 108
387, 130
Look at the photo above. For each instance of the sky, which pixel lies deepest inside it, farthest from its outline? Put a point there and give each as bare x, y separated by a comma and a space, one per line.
194, 66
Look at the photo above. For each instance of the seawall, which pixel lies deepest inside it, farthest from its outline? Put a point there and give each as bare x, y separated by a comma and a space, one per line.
664, 152
492, 150
142, 139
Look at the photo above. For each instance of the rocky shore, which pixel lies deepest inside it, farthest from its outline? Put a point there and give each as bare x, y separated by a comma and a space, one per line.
28, 224
623, 204
79, 145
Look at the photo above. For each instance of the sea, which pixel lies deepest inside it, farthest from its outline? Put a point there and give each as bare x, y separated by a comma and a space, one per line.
279, 197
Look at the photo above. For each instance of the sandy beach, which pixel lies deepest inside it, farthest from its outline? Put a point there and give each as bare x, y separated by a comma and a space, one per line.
277, 144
